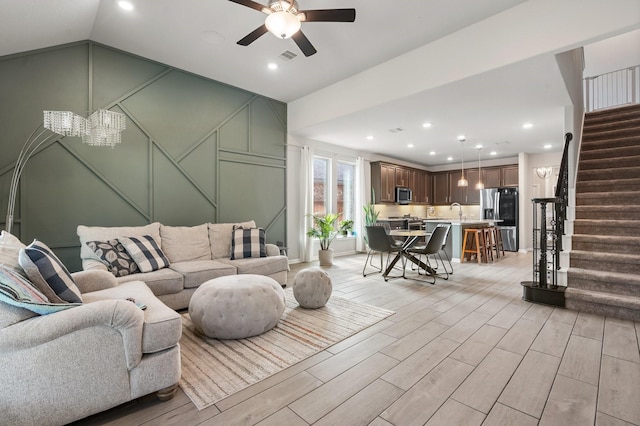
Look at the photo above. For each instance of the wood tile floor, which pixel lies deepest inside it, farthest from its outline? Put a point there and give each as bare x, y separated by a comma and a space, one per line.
466, 351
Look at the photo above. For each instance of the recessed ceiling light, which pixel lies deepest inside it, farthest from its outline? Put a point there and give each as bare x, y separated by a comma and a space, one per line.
548, 146
527, 125
432, 153
493, 153
370, 138
272, 66
126, 5
410, 145
426, 125
449, 158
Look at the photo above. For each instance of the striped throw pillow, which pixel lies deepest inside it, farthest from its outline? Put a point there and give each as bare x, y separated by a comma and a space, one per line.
15, 290
248, 243
145, 252
48, 274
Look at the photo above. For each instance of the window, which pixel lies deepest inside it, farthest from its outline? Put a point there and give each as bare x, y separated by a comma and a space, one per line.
334, 187
321, 182
346, 190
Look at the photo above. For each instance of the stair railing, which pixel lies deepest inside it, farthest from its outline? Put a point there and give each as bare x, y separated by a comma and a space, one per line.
548, 229
616, 88
562, 194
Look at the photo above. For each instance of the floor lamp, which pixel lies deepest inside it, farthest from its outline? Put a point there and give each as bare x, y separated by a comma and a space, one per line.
101, 128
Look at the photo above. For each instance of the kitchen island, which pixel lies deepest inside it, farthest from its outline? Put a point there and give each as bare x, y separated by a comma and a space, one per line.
453, 246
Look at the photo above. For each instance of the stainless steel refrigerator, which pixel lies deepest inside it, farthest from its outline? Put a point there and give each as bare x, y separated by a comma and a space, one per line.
502, 204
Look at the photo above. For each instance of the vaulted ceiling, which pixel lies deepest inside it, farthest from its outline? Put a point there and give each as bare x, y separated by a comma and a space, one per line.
445, 87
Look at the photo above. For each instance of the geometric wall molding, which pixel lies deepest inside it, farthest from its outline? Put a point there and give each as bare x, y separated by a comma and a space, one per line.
194, 150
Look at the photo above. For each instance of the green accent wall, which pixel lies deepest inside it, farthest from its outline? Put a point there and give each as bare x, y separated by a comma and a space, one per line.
194, 151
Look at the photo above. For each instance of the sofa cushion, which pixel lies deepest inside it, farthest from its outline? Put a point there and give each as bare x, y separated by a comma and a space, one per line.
161, 282
115, 257
162, 326
48, 274
10, 246
145, 252
248, 243
220, 238
198, 271
103, 233
182, 243
260, 265
16, 291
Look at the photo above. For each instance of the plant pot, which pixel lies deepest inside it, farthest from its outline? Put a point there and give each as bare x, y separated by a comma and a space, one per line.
325, 257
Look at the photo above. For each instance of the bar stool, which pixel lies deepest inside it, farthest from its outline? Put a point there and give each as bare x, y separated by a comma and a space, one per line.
487, 234
474, 238
497, 244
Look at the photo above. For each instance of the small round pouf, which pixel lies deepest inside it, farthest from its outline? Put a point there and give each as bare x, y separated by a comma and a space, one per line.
237, 306
312, 288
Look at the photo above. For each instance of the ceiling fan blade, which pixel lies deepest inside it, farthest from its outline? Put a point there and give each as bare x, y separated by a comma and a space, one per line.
253, 35
252, 4
303, 43
329, 15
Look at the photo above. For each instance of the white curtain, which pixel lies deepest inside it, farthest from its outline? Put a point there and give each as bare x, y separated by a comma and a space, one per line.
306, 188
360, 201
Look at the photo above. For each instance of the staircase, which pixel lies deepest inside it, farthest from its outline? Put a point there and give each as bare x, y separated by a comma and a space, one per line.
604, 272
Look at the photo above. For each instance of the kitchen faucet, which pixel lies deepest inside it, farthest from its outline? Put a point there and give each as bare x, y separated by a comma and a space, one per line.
459, 209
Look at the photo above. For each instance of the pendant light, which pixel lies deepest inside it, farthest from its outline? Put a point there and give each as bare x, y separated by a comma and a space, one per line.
462, 181
479, 185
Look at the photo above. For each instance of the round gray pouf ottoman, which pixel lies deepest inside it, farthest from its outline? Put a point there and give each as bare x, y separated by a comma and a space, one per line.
237, 306
312, 288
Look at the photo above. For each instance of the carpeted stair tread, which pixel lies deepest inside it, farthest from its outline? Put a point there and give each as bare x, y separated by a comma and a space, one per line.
619, 306
605, 227
613, 245
618, 121
612, 114
604, 281
621, 198
626, 141
605, 260
608, 185
608, 212
612, 152
613, 173
611, 133
607, 163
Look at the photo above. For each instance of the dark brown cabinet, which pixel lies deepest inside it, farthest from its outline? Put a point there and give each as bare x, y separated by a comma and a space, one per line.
472, 194
385, 177
440, 188
491, 177
510, 175
402, 177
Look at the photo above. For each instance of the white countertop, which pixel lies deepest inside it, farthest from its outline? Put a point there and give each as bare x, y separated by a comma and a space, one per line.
456, 221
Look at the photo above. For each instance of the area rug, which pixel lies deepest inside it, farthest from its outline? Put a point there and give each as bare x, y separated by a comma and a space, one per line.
214, 369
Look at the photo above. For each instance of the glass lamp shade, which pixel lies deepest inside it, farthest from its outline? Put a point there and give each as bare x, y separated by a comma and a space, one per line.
282, 24
463, 182
479, 185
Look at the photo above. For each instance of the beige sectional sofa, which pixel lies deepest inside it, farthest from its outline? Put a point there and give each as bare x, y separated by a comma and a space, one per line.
196, 254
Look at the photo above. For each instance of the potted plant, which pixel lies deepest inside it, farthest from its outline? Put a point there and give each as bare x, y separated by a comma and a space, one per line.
370, 217
324, 229
346, 226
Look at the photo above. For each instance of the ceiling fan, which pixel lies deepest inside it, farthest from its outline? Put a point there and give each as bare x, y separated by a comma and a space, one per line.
284, 20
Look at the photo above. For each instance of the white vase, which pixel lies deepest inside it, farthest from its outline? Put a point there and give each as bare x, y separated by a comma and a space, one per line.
325, 257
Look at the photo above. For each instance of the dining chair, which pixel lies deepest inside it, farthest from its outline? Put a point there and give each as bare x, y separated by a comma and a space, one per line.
380, 241
432, 248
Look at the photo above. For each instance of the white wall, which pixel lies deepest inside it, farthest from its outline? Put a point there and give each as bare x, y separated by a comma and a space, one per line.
531, 186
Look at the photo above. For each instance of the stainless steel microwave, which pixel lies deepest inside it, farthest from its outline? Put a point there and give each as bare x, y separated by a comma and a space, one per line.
403, 195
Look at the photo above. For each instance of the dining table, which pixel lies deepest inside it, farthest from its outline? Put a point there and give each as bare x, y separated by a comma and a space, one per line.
411, 238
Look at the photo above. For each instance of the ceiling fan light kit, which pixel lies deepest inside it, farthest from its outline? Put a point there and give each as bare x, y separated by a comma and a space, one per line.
284, 20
